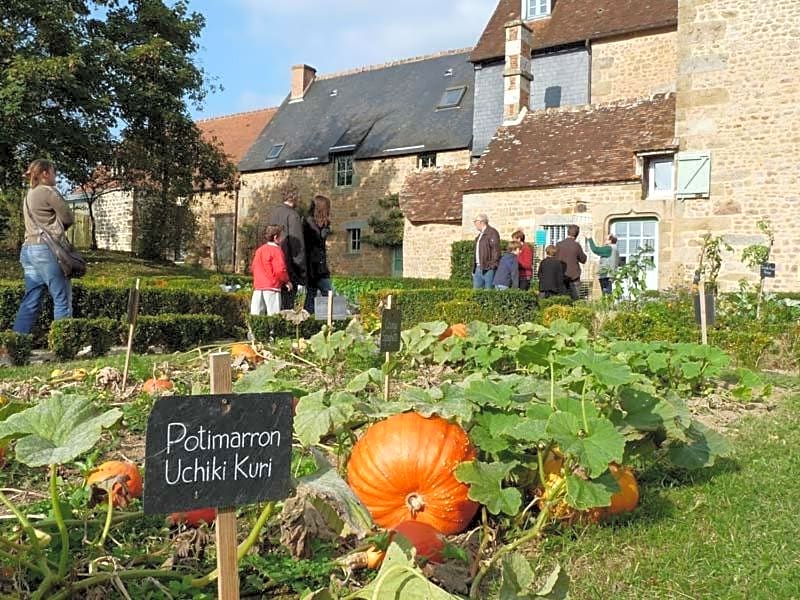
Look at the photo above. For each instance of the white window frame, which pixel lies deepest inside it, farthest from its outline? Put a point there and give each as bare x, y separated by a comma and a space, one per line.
353, 240
650, 169
426, 157
621, 229
532, 9
555, 233
343, 170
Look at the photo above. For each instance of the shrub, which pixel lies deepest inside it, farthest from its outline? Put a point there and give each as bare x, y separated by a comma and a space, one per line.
575, 313
458, 311
462, 257
747, 344
17, 346
179, 332
266, 327
353, 287
68, 336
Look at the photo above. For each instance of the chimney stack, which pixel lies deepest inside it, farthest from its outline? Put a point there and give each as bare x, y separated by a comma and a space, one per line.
518, 73
302, 77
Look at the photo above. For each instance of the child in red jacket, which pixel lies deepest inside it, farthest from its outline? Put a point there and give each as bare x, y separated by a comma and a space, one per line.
269, 273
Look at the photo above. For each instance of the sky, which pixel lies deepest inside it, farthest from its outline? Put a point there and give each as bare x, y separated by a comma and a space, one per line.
248, 47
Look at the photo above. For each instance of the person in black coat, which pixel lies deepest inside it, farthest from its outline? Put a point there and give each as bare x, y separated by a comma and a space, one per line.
316, 227
293, 244
551, 275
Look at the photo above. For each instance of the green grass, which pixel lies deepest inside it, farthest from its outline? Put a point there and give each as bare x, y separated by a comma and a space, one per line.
730, 532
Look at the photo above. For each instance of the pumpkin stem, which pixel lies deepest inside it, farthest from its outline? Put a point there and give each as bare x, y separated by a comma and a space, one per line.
415, 504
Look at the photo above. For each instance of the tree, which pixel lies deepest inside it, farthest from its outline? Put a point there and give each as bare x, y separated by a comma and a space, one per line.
387, 224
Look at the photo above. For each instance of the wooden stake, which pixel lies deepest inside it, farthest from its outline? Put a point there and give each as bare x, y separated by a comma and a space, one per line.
227, 562
131, 326
701, 288
388, 356
330, 311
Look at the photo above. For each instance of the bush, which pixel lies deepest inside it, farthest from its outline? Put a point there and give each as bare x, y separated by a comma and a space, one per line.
17, 346
458, 311
353, 287
179, 332
68, 336
746, 344
575, 313
462, 257
266, 327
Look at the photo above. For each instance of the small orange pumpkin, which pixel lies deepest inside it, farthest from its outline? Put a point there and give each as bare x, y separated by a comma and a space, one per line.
457, 330
402, 470
155, 386
424, 538
193, 518
624, 501
119, 477
246, 351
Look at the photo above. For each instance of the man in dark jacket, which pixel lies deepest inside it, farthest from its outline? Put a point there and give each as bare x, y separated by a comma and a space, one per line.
571, 254
293, 245
487, 253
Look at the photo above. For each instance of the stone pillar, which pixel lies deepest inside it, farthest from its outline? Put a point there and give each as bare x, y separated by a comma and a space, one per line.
518, 73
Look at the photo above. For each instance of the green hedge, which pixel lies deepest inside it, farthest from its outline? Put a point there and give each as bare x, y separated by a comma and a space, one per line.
180, 332
575, 313
462, 257
68, 336
17, 346
265, 328
354, 287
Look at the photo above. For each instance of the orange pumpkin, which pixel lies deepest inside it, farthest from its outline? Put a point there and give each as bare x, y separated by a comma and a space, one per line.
424, 538
553, 462
120, 477
193, 518
624, 501
156, 386
247, 351
458, 330
402, 470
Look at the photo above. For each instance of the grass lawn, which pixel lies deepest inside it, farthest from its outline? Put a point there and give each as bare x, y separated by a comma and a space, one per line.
730, 532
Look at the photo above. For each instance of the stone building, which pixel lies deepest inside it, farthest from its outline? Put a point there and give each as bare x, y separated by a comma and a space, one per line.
356, 137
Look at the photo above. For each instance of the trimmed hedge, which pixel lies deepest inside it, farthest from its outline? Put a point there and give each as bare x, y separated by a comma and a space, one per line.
68, 336
266, 327
575, 313
17, 346
354, 287
179, 332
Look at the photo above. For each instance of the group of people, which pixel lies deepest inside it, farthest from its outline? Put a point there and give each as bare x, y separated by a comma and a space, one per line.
559, 272
293, 256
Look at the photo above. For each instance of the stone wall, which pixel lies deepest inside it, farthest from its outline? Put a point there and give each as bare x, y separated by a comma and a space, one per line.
114, 221
739, 98
350, 207
427, 248
206, 207
634, 66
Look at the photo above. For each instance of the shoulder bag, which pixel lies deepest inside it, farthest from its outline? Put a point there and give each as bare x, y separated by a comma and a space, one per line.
71, 262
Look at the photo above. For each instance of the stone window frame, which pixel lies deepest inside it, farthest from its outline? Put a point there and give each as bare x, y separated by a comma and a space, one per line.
355, 236
537, 9
343, 170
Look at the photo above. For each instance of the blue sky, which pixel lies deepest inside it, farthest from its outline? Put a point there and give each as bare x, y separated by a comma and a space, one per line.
249, 46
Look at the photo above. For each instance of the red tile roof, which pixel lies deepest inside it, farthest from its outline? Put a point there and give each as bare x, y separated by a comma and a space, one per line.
576, 21
590, 144
236, 132
433, 196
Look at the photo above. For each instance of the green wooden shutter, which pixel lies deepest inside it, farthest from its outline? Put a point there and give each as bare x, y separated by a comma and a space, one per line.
694, 174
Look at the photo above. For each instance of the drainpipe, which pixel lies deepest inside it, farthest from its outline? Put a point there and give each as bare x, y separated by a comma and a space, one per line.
236, 187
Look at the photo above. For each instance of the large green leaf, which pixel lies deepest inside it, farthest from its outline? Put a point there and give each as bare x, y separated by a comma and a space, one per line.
261, 379
518, 579
645, 412
57, 430
583, 494
363, 379
489, 393
447, 401
703, 448
486, 485
317, 415
482, 437
594, 449
536, 353
608, 372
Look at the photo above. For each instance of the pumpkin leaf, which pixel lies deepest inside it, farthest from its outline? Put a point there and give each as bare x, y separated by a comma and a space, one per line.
556, 587
582, 494
448, 402
400, 579
483, 439
594, 449
644, 411
362, 380
489, 393
57, 430
518, 579
607, 372
261, 379
537, 353
318, 416
486, 485
702, 449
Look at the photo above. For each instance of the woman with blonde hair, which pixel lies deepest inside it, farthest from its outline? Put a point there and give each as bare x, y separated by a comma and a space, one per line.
316, 229
43, 207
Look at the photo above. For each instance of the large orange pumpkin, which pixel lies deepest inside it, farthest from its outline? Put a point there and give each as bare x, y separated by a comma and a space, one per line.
402, 470
427, 540
121, 477
156, 386
457, 330
193, 518
247, 351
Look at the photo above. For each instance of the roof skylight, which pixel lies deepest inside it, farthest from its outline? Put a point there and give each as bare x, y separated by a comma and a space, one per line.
452, 97
275, 151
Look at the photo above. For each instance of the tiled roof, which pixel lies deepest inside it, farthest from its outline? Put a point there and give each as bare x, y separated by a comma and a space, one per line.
433, 196
576, 21
591, 144
375, 112
237, 132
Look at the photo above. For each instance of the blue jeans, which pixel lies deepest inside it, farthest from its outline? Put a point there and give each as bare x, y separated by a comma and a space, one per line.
323, 286
483, 279
41, 272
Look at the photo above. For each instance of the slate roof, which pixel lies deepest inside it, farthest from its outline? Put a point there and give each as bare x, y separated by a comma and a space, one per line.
576, 21
237, 132
591, 144
433, 196
374, 109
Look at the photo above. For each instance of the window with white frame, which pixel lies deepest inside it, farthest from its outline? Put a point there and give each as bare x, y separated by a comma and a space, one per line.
555, 233
343, 170
354, 240
536, 9
426, 160
660, 175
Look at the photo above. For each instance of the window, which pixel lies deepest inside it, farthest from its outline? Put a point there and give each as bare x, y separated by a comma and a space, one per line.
536, 9
660, 176
343, 170
354, 240
426, 160
452, 97
397, 261
639, 234
275, 151
555, 233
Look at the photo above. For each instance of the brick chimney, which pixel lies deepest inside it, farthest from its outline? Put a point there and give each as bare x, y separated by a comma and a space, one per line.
518, 73
302, 77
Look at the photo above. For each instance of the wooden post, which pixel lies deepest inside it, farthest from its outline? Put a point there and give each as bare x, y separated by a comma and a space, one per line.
131, 325
701, 289
388, 355
227, 563
330, 311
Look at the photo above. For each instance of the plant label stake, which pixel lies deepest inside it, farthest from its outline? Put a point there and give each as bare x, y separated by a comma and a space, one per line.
701, 288
330, 311
390, 338
221, 450
133, 311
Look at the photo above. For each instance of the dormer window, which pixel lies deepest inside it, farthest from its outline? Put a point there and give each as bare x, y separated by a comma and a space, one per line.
537, 9
275, 151
452, 96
